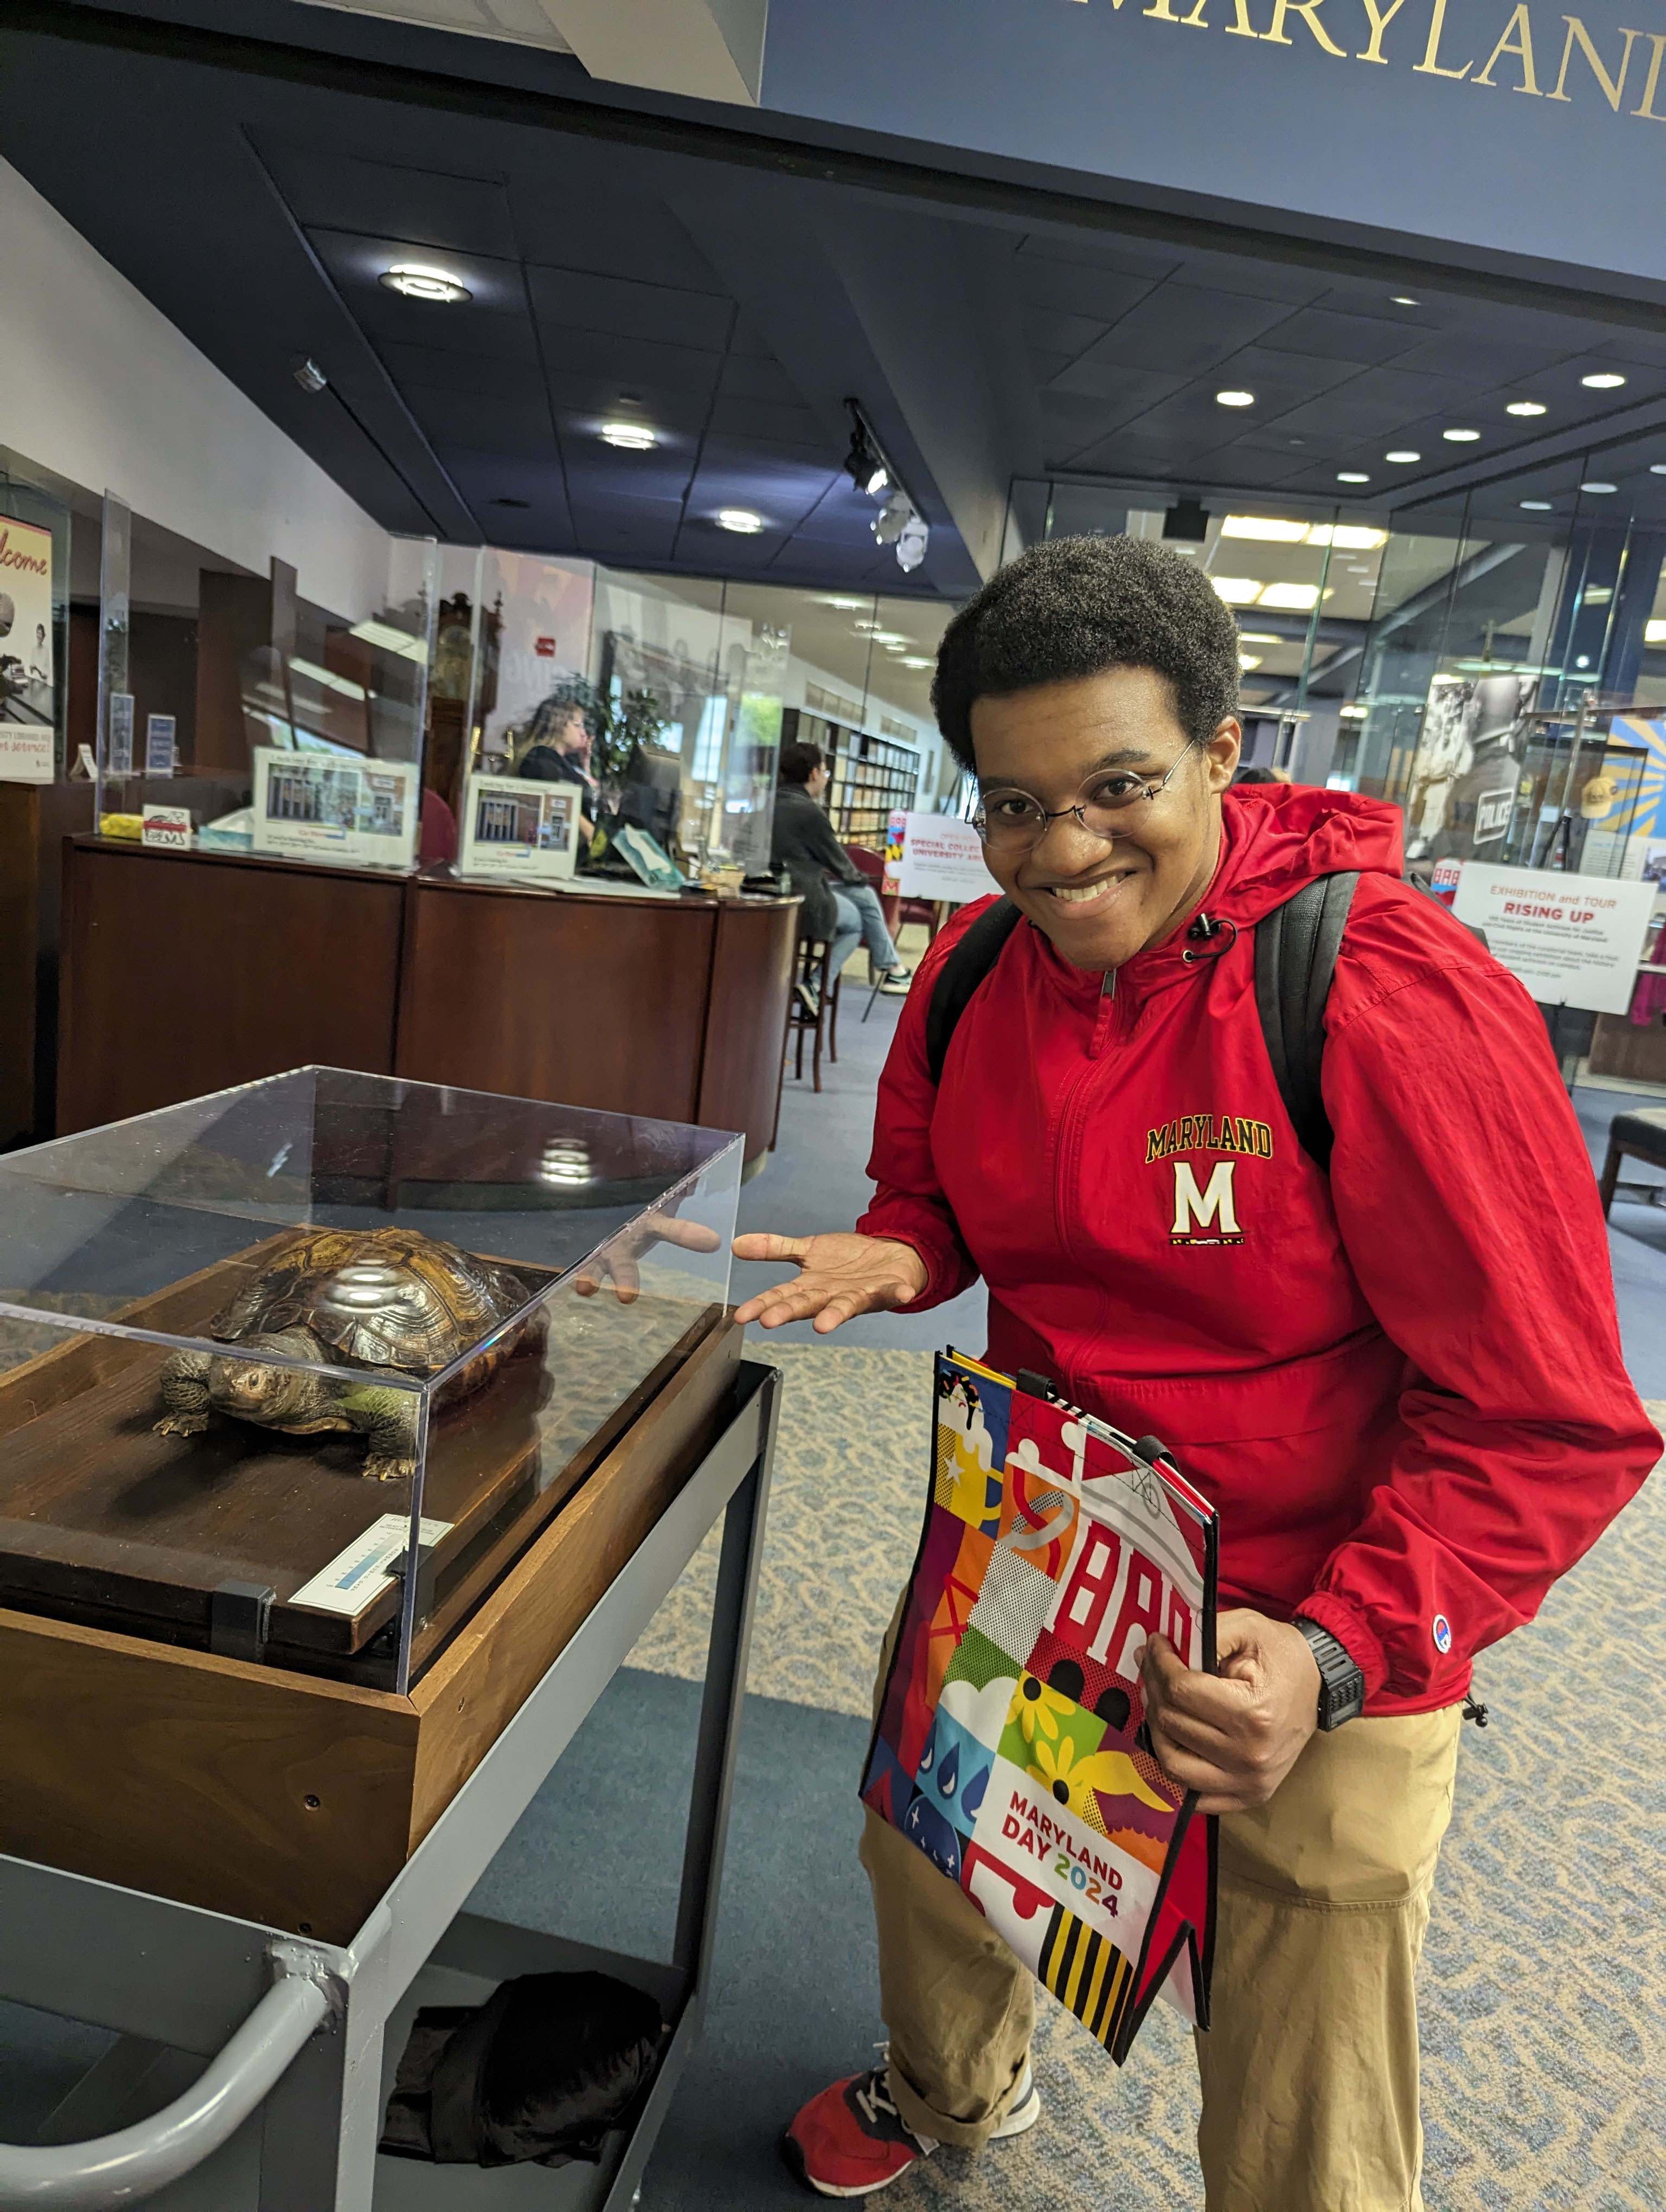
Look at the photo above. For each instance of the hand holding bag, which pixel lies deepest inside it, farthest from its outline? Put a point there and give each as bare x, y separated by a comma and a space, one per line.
1011, 1744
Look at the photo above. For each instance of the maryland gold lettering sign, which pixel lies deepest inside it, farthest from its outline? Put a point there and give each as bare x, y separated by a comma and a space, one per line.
1616, 65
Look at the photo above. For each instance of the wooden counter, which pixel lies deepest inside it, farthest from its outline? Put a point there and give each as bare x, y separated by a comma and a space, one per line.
184, 973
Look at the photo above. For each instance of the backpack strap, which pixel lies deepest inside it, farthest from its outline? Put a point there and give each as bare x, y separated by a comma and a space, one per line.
960, 975
1296, 949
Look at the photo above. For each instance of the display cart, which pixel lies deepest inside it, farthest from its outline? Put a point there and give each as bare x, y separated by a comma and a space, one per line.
228, 1844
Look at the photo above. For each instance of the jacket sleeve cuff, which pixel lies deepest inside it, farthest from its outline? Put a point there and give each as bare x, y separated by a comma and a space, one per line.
1352, 1632
948, 1271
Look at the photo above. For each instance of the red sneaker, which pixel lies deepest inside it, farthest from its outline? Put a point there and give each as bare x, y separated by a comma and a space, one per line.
851, 2140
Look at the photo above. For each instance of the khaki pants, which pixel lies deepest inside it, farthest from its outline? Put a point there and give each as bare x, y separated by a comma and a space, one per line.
1309, 2072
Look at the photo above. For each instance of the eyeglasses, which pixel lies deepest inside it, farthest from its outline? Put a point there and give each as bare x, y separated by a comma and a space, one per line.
1012, 821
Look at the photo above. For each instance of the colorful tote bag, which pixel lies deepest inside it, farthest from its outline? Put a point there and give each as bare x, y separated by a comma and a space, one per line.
1010, 1744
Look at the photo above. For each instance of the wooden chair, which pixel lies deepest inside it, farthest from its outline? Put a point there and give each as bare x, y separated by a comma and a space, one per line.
1642, 1134
814, 960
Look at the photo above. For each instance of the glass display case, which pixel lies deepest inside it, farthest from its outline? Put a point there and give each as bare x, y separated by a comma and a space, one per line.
295, 1373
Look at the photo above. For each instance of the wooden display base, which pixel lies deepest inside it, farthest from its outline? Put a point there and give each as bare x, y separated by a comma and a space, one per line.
277, 1795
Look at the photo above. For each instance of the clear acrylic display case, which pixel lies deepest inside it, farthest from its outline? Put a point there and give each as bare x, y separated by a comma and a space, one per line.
293, 1373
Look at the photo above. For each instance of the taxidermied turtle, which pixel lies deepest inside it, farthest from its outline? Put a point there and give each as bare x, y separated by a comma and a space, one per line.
387, 1299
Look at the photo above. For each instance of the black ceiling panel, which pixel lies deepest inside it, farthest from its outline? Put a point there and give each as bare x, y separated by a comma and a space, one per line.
617, 306
1098, 249
506, 374
1181, 330
491, 426
422, 206
1053, 332
1276, 377
1076, 287
1331, 336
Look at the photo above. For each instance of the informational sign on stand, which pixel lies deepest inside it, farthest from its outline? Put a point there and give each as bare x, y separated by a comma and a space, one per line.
168, 827
942, 858
330, 806
1572, 941
521, 831
159, 737
26, 755
120, 759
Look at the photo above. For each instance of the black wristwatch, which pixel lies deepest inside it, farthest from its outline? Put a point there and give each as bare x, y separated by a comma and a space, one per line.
1341, 1684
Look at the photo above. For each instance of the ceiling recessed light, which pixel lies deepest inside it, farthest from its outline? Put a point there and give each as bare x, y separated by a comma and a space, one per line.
1235, 399
1295, 598
634, 437
1526, 407
1350, 537
1460, 437
1261, 637
1402, 454
1352, 476
916, 660
1597, 487
1274, 529
1605, 380
416, 281
741, 520
1248, 660
1237, 590
1535, 507
1654, 633
1657, 468
1402, 299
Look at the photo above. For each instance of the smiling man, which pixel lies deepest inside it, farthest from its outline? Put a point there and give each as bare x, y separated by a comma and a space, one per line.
1395, 1368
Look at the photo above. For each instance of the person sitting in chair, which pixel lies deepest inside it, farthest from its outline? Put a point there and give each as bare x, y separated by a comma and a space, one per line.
557, 747
841, 906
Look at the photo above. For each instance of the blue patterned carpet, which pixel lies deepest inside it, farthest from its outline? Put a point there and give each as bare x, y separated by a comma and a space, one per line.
1544, 1986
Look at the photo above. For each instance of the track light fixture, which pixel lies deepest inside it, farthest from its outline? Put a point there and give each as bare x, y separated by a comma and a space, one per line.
899, 524
865, 464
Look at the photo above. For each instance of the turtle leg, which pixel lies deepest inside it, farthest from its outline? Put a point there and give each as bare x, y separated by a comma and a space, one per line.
387, 1420
185, 1394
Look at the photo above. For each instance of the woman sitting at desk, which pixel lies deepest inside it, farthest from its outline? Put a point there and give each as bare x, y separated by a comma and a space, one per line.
557, 746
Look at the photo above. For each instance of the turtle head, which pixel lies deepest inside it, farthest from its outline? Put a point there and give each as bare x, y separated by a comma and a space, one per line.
254, 1389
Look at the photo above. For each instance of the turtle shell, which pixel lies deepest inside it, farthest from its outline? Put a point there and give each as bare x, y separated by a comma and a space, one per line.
378, 1297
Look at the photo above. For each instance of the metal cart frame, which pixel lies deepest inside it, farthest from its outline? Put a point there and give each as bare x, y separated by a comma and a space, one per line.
302, 2037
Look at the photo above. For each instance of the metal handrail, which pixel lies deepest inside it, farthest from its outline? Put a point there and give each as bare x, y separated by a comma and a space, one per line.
118, 2170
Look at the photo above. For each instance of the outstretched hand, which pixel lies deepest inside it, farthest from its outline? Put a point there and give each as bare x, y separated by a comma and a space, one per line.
840, 1275
618, 1261
1232, 1736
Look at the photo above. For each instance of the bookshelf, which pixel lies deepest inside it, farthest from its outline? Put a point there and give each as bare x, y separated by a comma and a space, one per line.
868, 776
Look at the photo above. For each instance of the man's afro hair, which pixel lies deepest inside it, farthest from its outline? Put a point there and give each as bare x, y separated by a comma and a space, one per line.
1076, 606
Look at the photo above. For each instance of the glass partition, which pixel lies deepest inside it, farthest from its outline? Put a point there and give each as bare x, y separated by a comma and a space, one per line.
1514, 677
235, 715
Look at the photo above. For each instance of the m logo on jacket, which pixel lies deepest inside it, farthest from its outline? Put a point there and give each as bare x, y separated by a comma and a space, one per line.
1214, 1204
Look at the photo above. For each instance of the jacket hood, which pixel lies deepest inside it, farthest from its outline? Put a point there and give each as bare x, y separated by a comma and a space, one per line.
1276, 837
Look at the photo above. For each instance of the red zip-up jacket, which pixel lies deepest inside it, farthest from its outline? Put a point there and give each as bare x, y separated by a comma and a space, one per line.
1401, 1383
